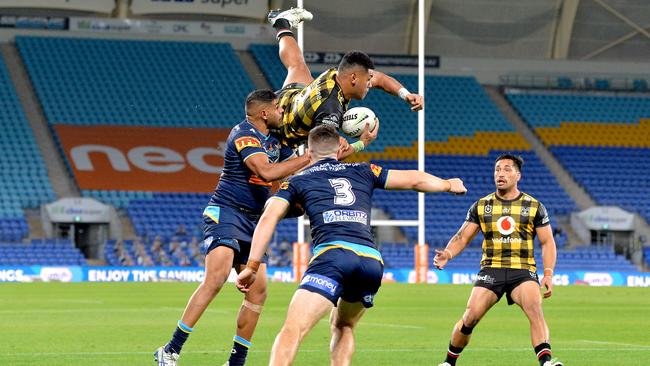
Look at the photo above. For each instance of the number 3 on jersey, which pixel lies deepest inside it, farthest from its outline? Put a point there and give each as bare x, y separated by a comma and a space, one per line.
343, 189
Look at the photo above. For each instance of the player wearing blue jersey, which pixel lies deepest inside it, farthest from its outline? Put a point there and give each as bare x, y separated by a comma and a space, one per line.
346, 268
253, 159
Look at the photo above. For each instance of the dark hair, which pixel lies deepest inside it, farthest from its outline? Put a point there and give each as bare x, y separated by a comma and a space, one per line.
518, 160
260, 96
323, 135
356, 58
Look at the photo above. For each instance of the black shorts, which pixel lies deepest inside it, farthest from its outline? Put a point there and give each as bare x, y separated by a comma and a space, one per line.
504, 280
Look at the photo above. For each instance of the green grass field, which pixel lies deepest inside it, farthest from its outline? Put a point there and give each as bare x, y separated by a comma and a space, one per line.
122, 323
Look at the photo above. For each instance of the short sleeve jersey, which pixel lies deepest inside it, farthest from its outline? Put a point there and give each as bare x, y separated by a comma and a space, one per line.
337, 198
508, 228
238, 186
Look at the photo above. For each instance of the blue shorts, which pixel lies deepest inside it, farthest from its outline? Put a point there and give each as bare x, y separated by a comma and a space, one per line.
225, 226
344, 270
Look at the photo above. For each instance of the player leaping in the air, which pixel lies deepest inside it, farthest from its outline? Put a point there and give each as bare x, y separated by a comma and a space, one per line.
309, 102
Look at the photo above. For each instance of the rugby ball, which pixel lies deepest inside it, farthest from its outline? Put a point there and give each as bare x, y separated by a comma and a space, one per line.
355, 119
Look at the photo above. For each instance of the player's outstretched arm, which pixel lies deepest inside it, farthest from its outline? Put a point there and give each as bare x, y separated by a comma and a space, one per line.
273, 212
423, 182
456, 244
365, 139
394, 87
549, 257
269, 172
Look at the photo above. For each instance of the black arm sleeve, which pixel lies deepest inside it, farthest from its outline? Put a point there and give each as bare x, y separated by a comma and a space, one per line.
472, 214
541, 217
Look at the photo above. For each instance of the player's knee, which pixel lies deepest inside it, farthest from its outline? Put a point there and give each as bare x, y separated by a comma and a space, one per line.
259, 297
470, 320
341, 325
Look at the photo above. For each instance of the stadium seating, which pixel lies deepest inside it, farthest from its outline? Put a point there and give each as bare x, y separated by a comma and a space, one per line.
78, 83
142, 83
596, 138
40, 252
138, 83
23, 179
177, 250
550, 110
445, 213
589, 257
164, 212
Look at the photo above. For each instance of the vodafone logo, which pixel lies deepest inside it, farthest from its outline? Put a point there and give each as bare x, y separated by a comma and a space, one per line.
506, 225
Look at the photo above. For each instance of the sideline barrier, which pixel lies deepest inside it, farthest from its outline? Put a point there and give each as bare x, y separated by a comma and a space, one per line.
285, 274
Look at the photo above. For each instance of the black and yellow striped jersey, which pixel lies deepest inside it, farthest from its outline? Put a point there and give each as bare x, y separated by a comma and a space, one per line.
305, 107
508, 228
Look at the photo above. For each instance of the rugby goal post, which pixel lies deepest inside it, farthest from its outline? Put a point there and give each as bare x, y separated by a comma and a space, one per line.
421, 252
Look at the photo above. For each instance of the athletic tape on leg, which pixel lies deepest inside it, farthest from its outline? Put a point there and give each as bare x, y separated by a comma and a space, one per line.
253, 307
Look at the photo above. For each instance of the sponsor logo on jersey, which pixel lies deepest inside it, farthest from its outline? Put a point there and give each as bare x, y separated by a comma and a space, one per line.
506, 225
376, 169
345, 216
320, 282
485, 279
247, 141
507, 240
332, 120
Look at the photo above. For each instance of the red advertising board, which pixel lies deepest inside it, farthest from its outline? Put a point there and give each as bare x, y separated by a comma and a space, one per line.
130, 158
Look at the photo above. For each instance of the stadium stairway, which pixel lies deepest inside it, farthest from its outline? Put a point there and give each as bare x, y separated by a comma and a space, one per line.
596, 136
253, 70
575, 191
62, 183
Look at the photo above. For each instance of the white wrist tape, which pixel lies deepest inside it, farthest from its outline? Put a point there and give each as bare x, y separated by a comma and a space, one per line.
402, 93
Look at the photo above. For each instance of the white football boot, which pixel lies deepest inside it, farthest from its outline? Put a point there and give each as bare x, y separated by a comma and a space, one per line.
294, 16
163, 358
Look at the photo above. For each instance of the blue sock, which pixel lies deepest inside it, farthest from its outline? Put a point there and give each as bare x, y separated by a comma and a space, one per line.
181, 334
239, 351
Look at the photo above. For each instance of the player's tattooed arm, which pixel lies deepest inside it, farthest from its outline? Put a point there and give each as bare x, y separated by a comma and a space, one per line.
456, 244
